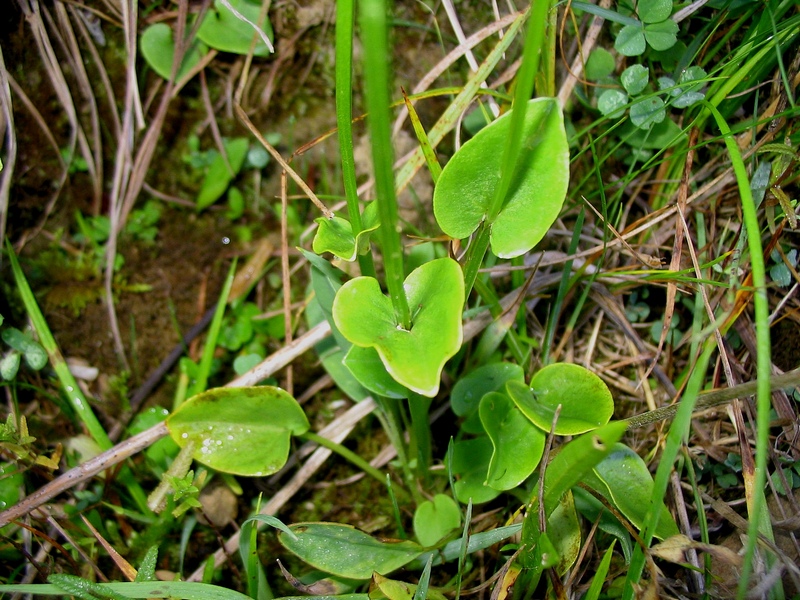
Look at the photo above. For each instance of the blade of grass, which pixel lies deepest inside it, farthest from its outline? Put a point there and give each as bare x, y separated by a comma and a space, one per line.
534, 47
345, 20
373, 20
763, 345
199, 385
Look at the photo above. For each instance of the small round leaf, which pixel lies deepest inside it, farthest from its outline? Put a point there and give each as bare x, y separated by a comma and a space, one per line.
518, 443
158, 49
435, 518
653, 11
243, 431
630, 41
586, 403
647, 112
661, 36
612, 103
634, 79
223, 30
599, 65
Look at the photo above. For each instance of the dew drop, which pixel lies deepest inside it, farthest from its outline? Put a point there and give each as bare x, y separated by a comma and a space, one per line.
70, 389
226, 240
184, 435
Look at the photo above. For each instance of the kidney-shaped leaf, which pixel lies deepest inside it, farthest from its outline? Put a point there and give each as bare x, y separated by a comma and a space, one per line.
414, 357
223, 30
244, 431
467, 184
158, 49
623, 478
518, 443
346, 551
586, 402
468, 391
435, 518
335, 235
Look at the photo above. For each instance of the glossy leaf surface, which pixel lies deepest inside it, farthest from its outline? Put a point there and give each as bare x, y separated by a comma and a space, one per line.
623, 478
586, 403
435, 518
346, 551
466, 188
223, 30
243, 431
414, 357
468, 391
518, 444
158, 49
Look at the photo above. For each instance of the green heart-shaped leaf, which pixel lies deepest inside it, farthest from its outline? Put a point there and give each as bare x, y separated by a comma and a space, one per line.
586, 403
244, 431
414, 357
366, 366
467, 184
158, 49
661, 36
623, 478
223, 30
518, 443
335, 235
630, 40
469, 460
468, 391
435, 518
346, 551
219, 176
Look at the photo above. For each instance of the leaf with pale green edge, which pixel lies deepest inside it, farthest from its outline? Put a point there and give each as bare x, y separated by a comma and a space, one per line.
612, 103
219, 176
661, 36
624, 479
223, 30
346, 551
335, 235
634, 79
586, 403
414, 357
470, 463
435, 518
468, 391
466, 187
243, 431
564, 531
518, 444
600, 64
648, 112
366, 366
158, 50
654, 11
630, 40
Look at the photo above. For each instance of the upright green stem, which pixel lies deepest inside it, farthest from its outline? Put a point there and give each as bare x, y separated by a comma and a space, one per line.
375, 41
389, 415
534, 47
345, 18
763, 345
419, 407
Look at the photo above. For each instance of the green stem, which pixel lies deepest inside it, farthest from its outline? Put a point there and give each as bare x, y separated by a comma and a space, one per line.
534, 47
71, 389
763, 345
389, 416
375, 40
345, 19
347, 454
419, 407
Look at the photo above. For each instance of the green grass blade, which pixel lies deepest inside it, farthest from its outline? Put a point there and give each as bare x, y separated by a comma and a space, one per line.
373, 19
199, 385
763, 347
74, 394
